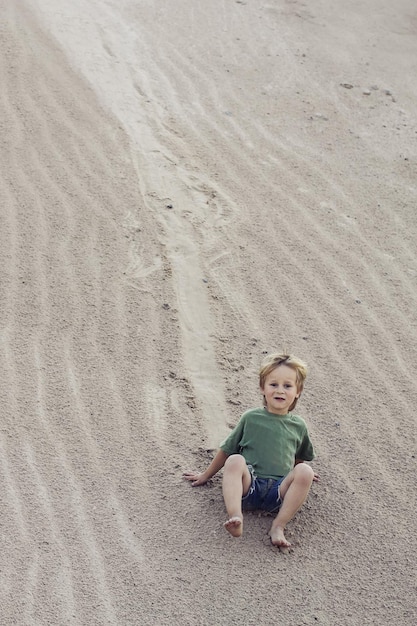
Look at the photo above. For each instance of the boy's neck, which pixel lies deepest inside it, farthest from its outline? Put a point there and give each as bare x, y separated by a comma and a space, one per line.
272, 412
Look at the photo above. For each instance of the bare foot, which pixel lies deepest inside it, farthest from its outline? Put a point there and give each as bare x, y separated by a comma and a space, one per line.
278, 538
234, 526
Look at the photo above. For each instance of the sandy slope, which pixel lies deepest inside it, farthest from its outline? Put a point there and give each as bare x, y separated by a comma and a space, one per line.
185, 186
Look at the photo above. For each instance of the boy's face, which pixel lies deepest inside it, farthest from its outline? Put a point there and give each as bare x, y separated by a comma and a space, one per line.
280, 389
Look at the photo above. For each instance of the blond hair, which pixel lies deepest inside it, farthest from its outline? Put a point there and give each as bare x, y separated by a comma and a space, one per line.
272, 361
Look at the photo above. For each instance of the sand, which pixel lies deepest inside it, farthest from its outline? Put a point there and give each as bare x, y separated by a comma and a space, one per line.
186, 186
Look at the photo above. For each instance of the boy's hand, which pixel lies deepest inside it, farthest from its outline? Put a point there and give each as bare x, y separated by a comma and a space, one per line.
196, 478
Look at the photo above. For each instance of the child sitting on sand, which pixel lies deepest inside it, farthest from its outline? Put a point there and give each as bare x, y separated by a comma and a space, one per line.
263, 455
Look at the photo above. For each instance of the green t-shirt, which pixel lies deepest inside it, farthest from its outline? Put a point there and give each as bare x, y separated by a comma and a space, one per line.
270, 442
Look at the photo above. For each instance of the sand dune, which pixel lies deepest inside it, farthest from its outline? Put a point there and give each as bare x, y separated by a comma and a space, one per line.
184, 187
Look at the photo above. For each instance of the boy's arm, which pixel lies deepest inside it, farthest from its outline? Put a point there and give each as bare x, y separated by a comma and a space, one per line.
200, 478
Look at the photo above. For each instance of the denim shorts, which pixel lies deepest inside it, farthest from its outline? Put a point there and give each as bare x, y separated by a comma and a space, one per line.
263, 494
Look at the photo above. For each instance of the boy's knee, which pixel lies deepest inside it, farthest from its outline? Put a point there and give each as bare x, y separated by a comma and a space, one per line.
304, 472
235, 462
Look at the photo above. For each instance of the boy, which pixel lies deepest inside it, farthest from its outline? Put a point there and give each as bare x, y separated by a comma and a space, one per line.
263, 457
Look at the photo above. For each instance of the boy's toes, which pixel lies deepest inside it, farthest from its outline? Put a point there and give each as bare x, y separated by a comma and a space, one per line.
234, 526
278, 539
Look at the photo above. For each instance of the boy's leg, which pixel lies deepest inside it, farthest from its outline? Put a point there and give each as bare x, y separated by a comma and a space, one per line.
236, 483
294, 490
